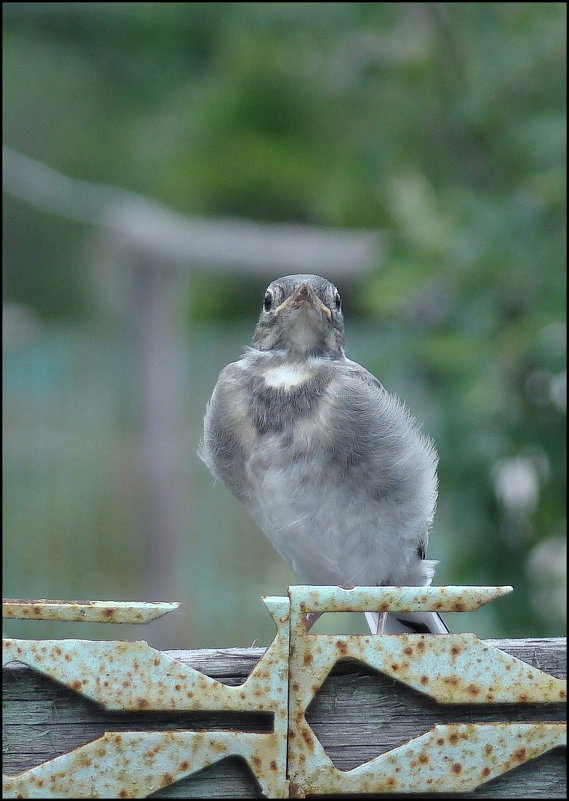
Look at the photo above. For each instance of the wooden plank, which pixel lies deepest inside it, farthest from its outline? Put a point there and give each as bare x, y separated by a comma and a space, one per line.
356, 715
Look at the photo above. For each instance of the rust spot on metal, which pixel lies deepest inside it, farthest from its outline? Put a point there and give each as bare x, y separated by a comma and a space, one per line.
307, 658
520, 754
457, 767
424, 680
342, 647
219, 747
307, 737
142, 703
473, 689
408, 650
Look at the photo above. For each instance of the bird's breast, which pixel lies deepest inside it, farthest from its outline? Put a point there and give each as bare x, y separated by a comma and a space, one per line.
284, 394
285, 376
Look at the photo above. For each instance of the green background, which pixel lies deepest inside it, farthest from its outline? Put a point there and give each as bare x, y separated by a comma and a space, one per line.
442, 125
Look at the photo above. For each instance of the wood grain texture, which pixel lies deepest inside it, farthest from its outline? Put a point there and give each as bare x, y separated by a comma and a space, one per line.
357, 715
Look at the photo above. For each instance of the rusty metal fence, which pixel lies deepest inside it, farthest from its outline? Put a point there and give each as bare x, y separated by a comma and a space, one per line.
288, 757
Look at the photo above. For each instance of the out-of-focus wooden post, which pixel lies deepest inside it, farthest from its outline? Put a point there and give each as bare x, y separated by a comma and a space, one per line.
158, 334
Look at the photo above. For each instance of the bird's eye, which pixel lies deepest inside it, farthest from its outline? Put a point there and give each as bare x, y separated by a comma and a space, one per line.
338, 300
268, 300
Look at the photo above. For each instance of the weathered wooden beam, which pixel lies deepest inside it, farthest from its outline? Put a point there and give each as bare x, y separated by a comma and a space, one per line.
133, 224
356, 715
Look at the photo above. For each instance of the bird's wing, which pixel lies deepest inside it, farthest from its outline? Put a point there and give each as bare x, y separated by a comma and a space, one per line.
364, 375
225, 420
390, 465
421, 570
375, 427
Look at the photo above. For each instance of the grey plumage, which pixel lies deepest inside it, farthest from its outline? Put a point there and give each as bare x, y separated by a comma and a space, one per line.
331, 466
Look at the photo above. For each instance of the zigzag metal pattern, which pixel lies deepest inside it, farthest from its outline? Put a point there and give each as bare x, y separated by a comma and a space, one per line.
450, 668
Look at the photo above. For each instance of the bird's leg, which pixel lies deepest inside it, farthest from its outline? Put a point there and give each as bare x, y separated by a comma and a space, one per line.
381, 621
310, 619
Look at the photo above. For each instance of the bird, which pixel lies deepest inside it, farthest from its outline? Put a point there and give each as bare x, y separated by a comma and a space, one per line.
332, 467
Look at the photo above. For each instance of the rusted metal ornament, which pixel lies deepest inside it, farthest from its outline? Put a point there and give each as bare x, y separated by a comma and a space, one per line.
289, 761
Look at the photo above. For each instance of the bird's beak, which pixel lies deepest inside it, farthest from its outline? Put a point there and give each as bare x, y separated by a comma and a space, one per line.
304, 294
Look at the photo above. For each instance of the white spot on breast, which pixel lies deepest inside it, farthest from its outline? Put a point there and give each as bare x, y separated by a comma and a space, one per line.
285, 376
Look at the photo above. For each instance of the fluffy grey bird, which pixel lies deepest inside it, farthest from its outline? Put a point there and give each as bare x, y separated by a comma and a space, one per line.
331, 466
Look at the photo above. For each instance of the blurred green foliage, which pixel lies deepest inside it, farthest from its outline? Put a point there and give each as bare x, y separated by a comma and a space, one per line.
442, 124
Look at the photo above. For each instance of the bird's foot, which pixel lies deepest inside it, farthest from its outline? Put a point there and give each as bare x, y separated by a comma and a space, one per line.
381, 621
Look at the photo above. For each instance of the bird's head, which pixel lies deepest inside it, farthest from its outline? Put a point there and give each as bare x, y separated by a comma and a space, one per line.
302, 315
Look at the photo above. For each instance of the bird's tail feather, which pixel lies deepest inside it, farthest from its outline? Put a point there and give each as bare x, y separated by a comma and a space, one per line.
408, 623
420, 574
